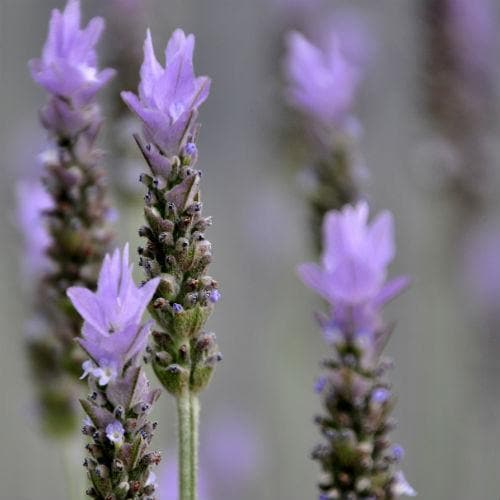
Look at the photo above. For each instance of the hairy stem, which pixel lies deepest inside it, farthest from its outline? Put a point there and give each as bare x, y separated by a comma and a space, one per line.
195, 427
185, 452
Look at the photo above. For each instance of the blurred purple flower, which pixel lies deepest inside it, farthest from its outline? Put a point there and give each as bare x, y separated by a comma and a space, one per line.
68, 66
472, 26
32, 201
169, 97
481, 271
402, 487
320, 83
230, 459
352, 277
168, 482
112, 333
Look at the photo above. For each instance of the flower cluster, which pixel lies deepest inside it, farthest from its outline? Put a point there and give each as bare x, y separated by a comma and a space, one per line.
169, 97
321, 85
118, 462
357, 459
68, 71
176, 251
74, 234
111, 333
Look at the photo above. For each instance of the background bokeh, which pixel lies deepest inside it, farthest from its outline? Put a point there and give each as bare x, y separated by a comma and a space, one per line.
446, 350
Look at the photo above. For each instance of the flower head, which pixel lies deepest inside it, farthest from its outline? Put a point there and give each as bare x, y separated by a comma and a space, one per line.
32, 201
112, 333
321, 83
169, 97
352, 277
68, 65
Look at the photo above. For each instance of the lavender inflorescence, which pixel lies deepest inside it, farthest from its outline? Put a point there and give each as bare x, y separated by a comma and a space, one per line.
77, 220
120, 399
176, 249
321, 85
357, 459
118, 459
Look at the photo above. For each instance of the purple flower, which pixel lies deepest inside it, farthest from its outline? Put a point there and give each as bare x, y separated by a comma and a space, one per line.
169, 97
68, 66
321, 83
354, 268
402, 487
112, 333
380, 395
215, 296
115, 432
32, 201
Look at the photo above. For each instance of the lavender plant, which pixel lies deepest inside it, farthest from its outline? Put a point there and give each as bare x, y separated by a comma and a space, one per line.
321, 86
357, 458
76, 221
460, 89
118, 462
182, 354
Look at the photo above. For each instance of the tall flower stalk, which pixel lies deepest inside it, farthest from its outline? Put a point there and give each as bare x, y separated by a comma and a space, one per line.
321, 85
183, 355
76, 219
120, 399
357, 458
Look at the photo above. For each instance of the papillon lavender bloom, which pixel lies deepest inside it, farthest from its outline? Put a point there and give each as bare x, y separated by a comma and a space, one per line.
118, 462
77, 221
321, 84
357, 458
176, 251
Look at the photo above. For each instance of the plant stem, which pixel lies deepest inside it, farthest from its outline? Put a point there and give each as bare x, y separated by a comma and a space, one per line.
185, 461
195, 426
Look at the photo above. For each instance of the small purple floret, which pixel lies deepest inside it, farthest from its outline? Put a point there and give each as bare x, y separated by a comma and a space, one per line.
381, 395
177, 308
215, 296
398, 452
115, 432
320, 384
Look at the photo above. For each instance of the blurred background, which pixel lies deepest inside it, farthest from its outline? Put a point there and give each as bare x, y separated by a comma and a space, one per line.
257, 413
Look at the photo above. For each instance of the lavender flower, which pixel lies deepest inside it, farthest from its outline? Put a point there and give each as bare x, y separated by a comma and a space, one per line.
77, 219
68, 70
357, 459
176, 250
354, 268
169, 97
118, 463
111, 333
321, 85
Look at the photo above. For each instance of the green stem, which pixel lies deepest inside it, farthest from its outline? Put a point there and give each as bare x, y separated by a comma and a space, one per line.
195, 427
185, 462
